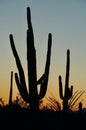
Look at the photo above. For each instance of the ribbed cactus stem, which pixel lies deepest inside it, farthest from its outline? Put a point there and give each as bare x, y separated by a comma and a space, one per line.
31, 95
11, 89
68, 91
31, 58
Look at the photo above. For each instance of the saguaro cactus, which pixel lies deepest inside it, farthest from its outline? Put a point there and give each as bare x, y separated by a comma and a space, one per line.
11, 89
32, 95
68, 91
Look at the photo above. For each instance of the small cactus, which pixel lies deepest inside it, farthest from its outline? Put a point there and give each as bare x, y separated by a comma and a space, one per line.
68, 91
11, 89
31, 96
80, 107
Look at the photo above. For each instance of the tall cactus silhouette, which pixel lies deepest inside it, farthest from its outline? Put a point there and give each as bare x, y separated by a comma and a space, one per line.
11, 89
68, 91
31, 95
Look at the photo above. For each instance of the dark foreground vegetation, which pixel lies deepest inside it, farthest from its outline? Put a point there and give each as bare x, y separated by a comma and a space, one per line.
15, 117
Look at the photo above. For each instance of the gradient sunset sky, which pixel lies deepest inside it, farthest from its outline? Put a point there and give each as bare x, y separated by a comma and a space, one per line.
66, 20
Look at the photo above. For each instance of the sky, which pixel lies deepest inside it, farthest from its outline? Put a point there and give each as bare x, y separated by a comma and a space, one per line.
66, 20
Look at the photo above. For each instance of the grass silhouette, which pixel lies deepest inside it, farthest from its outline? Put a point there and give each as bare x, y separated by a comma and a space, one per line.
73, 103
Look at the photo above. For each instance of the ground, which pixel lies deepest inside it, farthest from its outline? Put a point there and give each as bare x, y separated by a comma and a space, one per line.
19, 118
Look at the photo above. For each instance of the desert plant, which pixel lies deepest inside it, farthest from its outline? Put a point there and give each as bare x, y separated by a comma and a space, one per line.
11, 89
80, 106
75, 99
68, 91
20, 102
2, 103
74, 102
53, 104
32, 95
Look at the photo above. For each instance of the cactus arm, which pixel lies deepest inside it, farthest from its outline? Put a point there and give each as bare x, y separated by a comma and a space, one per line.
20, 82
18, 62
43, 86
40, 80
23, 92
47, 67
71, 91
60, 88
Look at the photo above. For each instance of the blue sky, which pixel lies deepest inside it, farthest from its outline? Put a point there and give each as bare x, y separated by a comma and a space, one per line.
65, 19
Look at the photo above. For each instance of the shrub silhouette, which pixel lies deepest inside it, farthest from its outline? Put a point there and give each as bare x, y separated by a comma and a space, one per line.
31, 96
74, 102
80, 107
20, 102
53, 104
